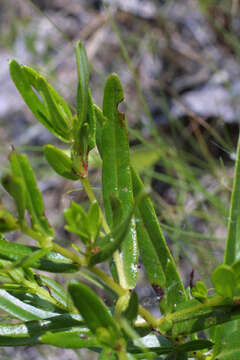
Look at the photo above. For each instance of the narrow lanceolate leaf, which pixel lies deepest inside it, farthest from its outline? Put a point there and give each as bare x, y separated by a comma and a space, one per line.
152, 242
105, 247
85, 121
151, 258
57, 291
60, 162
201, 318
29, 332
95, 313
48, 106
52, 261
20, 310
116, 174
83, 80
71, 339
100, 119
33, 198
232, 250
91, 120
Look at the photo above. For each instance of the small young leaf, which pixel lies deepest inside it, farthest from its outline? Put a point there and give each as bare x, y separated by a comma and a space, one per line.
94, 219
83, 80
7, 221
60, 162
61, 124
85, 122
199, 291
224, 280
14, 185
52, 111
95, 313
77, 221
32, 195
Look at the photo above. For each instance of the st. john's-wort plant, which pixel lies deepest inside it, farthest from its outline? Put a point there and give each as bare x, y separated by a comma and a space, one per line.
125, 228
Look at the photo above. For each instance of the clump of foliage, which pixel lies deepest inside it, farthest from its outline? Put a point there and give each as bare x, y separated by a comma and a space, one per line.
123, 229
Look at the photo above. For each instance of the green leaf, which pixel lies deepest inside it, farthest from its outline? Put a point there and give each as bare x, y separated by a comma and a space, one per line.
195, 345
15, 187
95, 220
227, 345
131, 311
191, 317
199, 291
117, 211
106, 246
59, 120
152, 241
100, 119
150, 257
60, 162
85, 122
187, 347
95, 313
224, 280
52, 261
28, 333
7, 221
20, 310
83, 80
91, 120
77, 221
48, 107
236, 270
70, 340
143, 157
232, 249
57, 291
107, 354
116, 175
32, 195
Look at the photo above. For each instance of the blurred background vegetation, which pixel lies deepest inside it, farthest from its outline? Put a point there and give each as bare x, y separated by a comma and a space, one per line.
179, 65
